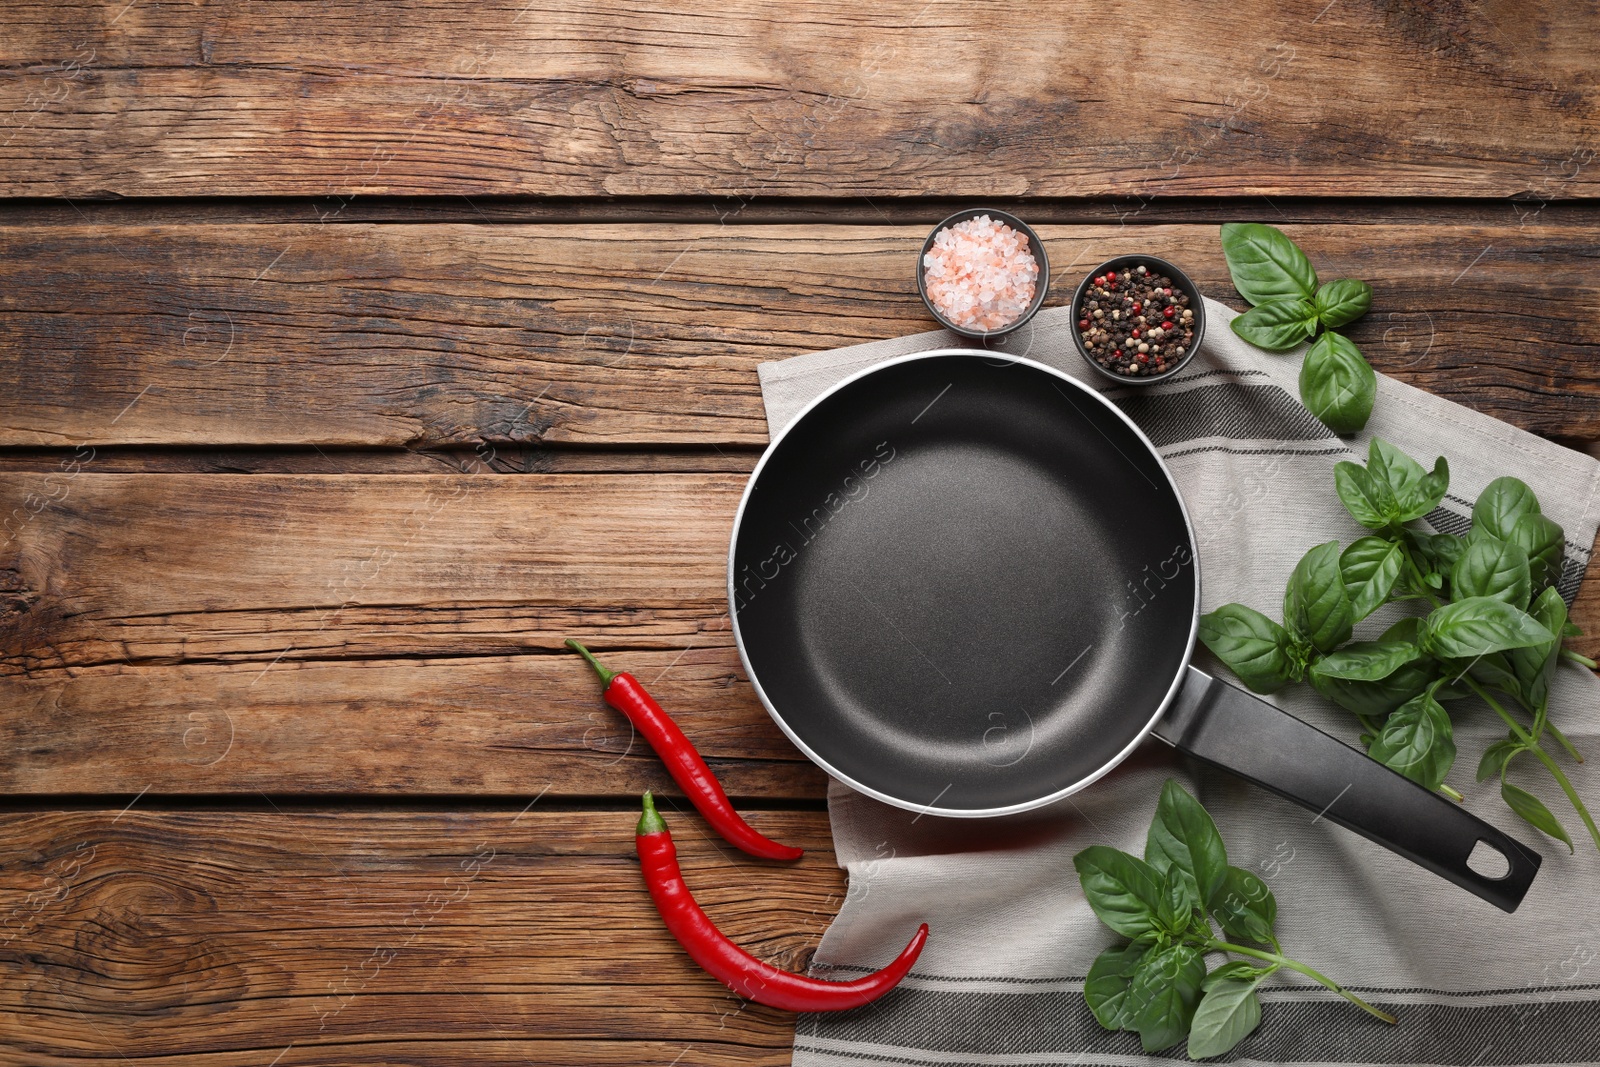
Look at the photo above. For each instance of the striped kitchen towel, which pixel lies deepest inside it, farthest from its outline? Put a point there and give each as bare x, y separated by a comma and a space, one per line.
1001, 980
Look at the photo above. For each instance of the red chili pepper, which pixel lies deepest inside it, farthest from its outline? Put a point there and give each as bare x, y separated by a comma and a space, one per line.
731, 965
624, 693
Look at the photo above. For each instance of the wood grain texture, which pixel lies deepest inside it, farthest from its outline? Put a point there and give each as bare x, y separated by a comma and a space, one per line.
225, 939
222, 634
759, 97
504, 337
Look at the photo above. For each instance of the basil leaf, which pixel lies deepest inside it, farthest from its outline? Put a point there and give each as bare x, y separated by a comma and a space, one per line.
1227, 1013
1496, 756
1476, 625
1494, 568
1237, 969
1533, 666
1277, 324
1406, 629
1543, 541
1252, 645
1245, 908
1532, 809
1337, 385
1265, 264
1417, 742
1366, 661
1315, 603
1183, 839
1414, 491
1446, 549
1124, 891
1368, 503
1178, 902
1502, 502
1342, 301
1370, 566
1379, 698
1163, 995
1106, 987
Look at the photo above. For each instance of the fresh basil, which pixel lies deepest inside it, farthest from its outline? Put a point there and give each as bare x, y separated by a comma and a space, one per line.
1124, 891
1265, 264
1493, 568
1183, 839
1493, 632
1158, 986
1366, 661
1277, 324
1342, 301
1417, 741
1337, 384
1252, 645
1502, 502
1471, 627
1532, 809
1370, 566
1316, 604
1228, 1012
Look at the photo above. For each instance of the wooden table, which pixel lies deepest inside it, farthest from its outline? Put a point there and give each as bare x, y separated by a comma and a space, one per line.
357, 355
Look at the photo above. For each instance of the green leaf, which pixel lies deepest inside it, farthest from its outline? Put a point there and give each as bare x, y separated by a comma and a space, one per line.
1414, 491
1370, 566
1106, 988
1533, 666
1277, 324
1532, 809
1496, 756
1367, 501
1178, 902
1252, 645
1183, 838
1265, 264
1543, 541
1446, 549
1494, 568
1124, 891
1417, 742
1366, 661
1337, 385
1239, 969
1342, 301
1476, 625
1227, 1013
1502, 502
1315, 603
1379, 698
1163, 995
1245, 908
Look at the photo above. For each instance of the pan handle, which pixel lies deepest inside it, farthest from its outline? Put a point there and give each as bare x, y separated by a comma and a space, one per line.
1227, 727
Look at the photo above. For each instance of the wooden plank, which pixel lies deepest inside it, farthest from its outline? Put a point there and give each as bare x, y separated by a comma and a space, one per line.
159, 98
631, 336
235, 938
352, 633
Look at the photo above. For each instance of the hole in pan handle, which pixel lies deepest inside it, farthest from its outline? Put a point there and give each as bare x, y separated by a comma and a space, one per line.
1228, 728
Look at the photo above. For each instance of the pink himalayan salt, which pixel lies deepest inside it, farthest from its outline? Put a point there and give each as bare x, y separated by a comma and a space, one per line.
980, 274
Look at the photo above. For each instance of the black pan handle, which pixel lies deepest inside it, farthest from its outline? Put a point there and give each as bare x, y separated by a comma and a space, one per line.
1227, 727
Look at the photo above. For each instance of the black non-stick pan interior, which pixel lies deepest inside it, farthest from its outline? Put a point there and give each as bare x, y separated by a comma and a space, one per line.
964, 583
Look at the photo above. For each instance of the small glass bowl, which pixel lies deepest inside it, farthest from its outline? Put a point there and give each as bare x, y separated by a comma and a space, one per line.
1034, 245
1160, 266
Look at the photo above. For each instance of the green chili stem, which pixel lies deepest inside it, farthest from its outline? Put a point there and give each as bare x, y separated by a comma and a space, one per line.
1543, 757
1578, 657
605, 675
1296, 965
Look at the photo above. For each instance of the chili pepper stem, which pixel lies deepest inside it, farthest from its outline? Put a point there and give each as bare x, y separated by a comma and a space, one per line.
1296, 965
605, 675
651, 821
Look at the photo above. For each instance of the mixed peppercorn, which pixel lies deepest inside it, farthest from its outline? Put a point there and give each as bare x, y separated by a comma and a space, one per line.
1135, 322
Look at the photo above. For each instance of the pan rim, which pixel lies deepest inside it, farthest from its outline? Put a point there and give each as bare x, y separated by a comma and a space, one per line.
932, 808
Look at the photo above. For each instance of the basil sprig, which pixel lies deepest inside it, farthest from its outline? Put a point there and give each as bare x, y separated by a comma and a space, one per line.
1166, 903
1337, 385
1493, 628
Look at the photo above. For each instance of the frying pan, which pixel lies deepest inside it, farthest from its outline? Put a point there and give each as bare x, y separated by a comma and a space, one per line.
965, 584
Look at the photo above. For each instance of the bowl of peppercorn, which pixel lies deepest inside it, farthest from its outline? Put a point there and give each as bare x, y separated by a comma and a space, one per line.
1139, 318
